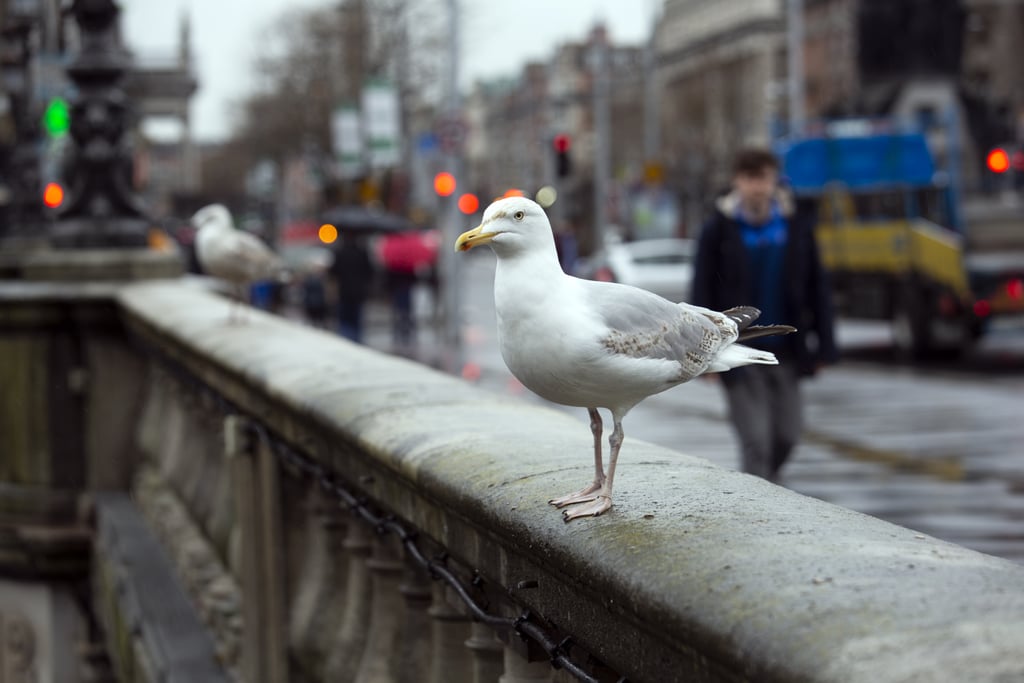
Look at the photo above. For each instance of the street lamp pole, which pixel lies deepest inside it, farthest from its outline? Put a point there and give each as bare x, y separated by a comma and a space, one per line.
102, 209
22, 192
652, 123
450, 214
602, 142
795, 64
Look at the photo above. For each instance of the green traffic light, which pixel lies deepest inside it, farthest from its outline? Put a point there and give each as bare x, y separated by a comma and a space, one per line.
57, 117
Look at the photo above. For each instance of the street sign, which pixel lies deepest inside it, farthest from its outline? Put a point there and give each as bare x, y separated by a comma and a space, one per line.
347, 141
451, 129
382, 124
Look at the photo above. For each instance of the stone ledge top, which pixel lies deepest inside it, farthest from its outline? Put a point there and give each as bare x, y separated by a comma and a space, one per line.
91, 265
762, 582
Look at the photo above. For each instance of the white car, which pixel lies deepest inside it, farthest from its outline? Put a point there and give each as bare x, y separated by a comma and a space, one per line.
663, 266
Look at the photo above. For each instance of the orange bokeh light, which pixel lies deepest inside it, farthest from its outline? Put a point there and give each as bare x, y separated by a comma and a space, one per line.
444, 183
327, 233
53, 195
513, 192
468, 203
998, 161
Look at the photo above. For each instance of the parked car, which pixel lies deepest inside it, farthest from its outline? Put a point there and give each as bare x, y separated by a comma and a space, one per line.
662, 266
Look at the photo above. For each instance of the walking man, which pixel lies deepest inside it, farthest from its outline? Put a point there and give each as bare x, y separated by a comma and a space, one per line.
758, 248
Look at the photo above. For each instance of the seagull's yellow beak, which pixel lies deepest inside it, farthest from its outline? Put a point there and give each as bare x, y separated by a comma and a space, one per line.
473, 238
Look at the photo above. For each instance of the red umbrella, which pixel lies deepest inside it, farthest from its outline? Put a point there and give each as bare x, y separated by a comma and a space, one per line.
409, 252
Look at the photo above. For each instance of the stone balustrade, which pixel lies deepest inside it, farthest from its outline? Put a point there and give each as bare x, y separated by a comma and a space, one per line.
336, 514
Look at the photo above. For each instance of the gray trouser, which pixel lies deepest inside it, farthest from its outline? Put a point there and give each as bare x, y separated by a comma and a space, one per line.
765, 410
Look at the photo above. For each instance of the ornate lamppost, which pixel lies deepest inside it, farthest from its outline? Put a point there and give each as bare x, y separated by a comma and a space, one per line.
19, 154
101, 208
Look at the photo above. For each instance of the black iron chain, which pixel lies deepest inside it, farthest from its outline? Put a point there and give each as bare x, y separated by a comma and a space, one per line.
557, 651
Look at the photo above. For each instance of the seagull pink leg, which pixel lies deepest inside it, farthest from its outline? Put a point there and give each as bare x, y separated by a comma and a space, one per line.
237, 306
602, 502
232, 303
588, 493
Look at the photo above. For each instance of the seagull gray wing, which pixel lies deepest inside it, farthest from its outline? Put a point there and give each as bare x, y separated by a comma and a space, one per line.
252, 254
643, 325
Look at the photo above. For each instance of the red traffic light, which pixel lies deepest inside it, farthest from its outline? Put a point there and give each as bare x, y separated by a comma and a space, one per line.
561, 143
998, 161
53, 195
468, 203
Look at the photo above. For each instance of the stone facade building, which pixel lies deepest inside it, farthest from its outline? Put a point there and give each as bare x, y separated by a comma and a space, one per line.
514, 121
720, 69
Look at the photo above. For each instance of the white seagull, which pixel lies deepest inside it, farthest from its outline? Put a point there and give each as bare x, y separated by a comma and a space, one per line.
597, 344
239, 257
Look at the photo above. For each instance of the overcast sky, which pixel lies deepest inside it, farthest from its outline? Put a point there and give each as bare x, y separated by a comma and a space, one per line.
498, 37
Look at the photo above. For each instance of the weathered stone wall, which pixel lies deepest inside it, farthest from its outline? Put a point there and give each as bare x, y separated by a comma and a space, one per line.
698, 573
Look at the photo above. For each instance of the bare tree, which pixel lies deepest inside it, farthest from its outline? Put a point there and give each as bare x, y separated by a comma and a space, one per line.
312, 60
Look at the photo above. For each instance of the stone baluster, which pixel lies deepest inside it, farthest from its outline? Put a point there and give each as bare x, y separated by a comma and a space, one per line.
451, 661
255, 471
416, 636
349, 641
379, 663
319, 606
487, 654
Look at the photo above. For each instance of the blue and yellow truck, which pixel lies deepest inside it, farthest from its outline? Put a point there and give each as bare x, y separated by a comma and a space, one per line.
890, 234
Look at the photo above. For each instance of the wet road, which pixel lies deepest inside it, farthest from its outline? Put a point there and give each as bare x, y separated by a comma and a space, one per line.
938, 448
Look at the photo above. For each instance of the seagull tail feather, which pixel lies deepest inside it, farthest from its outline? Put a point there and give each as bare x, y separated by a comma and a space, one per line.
735, 355
743, 316
764, 331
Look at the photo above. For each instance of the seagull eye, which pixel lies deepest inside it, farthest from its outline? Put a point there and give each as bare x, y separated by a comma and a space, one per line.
519, 215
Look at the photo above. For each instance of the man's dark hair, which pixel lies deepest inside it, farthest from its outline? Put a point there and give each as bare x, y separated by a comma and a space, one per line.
754, 161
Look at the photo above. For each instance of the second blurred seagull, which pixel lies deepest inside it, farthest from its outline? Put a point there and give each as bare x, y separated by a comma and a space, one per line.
239, 257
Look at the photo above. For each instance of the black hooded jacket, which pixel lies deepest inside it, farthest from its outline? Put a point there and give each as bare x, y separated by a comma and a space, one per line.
722, 278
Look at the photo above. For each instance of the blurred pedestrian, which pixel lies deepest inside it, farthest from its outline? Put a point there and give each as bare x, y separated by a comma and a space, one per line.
353, 274
403, 325
566, 246
313, 286
314, 298
758, 248
406, 256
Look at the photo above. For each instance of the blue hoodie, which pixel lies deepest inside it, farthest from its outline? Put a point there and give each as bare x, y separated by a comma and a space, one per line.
766, 253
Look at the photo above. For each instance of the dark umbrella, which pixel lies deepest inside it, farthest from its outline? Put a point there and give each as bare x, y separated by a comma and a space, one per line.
365, 220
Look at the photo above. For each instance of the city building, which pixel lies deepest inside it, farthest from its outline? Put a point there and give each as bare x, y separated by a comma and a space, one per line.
514, 123
162, 87
945, 66
721, 72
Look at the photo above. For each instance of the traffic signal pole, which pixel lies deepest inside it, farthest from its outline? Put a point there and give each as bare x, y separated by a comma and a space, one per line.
795, 59
602, 138
451, 218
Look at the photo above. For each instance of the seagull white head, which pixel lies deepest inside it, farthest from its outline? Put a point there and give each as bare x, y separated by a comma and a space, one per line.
511, 225
216, 216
